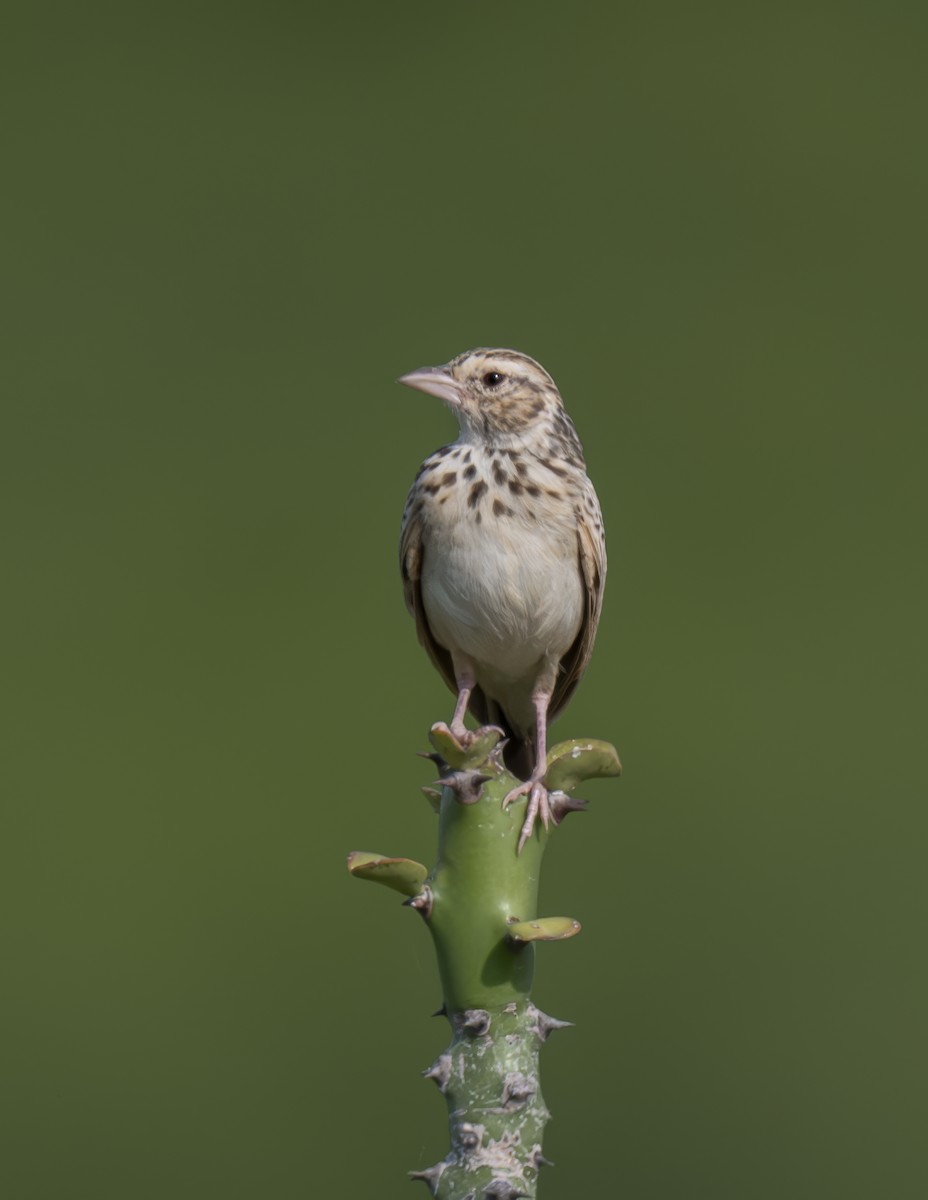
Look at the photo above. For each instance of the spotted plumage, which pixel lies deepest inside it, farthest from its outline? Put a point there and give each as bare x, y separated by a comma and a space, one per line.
503, 555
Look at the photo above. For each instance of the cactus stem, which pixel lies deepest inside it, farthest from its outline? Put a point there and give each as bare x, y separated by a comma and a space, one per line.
488, 1075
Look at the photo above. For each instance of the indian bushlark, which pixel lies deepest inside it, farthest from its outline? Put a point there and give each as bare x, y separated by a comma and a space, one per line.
503, 556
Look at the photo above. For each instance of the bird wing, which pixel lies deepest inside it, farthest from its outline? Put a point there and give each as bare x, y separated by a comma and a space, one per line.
412, 554
591, 561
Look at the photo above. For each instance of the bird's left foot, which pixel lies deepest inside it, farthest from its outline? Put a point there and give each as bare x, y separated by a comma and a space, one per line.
461, 747
466, 738
539, 806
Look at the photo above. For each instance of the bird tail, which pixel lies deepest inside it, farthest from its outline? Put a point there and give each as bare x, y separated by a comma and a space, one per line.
519, 751
519, 755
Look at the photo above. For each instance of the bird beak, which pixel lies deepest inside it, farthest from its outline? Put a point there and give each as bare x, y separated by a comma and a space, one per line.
437, 381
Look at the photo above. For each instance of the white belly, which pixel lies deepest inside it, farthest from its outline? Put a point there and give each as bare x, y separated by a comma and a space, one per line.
506, 593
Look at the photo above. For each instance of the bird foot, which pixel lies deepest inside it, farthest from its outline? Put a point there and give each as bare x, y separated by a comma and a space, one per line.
539, 806
466, 738
461, 747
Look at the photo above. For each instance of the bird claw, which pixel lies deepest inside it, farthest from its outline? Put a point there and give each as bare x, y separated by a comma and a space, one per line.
539, 806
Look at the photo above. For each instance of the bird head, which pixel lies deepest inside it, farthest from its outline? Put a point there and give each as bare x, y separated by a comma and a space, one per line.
500, 397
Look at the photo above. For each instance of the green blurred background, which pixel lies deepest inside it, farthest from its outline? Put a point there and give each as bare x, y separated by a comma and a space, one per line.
227, 229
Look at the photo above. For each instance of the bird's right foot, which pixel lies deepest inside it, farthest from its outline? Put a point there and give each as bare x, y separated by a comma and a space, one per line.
538, 807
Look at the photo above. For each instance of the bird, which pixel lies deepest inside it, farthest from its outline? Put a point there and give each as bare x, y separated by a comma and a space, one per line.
503, 557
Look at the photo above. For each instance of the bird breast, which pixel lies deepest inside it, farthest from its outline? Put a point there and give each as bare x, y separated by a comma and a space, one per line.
501, 578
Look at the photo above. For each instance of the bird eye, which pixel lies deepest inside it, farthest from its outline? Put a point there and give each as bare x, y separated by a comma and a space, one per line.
493, 378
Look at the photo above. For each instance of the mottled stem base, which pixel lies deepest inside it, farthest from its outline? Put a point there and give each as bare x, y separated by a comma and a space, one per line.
496, 1112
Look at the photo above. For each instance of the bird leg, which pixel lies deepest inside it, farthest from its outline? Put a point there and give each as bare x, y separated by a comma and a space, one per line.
539, 804
466, 682
464, 677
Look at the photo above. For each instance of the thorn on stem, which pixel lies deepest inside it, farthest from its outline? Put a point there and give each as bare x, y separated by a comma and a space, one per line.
545, 1025
475, 1020
421, 902
562, 804
538, 1160
440, 1071
471, 1137
430, 1176
466, 785
518, 1089
433, 795
502, 1189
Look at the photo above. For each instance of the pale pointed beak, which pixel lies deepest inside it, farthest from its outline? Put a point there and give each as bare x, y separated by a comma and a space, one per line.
436, 381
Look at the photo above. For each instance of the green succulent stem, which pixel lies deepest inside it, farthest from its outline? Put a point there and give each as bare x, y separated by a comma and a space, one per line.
479, 889
480, 903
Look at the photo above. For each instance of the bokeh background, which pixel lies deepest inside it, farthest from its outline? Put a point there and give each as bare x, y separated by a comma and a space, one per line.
227, 229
